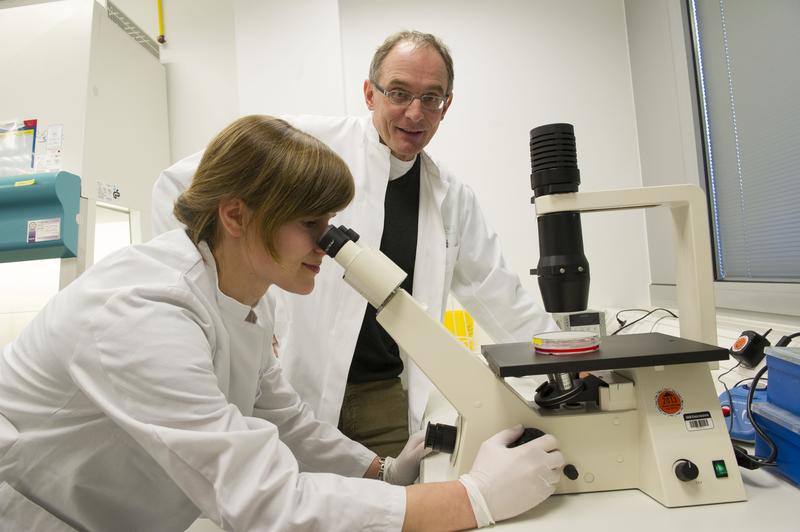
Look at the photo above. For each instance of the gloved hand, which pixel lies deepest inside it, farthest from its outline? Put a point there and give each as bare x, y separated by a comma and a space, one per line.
404, 469
505, 482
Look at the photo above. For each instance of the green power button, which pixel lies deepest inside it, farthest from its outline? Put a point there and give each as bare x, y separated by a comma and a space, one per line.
719, 468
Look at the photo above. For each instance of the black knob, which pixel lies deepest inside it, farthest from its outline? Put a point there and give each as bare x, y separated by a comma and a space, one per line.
441, 437
685, 470
570, 471
527, 435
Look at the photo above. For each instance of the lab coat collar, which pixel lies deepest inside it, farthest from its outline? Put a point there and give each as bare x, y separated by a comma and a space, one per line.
429, 167
236, 310
439, 186
372, 133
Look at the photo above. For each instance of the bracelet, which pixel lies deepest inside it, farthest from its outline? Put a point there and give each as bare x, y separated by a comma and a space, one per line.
381, 468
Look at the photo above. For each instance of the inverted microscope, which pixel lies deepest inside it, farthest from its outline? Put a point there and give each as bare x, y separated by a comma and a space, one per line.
640, 412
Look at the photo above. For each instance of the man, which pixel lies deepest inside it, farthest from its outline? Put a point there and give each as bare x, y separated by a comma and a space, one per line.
421, 217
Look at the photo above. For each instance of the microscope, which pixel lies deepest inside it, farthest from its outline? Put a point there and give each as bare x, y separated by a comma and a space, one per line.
640, 412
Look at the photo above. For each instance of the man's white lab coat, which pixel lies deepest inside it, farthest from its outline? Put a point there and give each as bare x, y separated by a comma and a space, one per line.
456, 251
142, 395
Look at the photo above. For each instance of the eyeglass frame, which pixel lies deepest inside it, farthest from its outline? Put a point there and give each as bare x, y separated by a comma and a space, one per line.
386, 93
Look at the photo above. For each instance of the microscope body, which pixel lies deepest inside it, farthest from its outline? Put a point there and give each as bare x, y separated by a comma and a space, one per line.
638, 436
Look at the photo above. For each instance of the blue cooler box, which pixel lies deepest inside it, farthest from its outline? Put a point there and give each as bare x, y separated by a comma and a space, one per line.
784, 378
784, 429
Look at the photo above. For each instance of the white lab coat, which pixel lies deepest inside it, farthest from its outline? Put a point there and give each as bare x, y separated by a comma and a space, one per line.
456, 251
141, 396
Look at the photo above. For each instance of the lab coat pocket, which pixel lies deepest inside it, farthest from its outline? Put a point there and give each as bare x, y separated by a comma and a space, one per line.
451, 244
17, 512
451, 256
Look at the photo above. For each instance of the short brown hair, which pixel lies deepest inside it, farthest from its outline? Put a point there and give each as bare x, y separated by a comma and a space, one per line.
419, 40
279, 172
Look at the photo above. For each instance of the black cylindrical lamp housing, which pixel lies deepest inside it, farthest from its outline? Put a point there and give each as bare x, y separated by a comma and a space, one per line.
563, 270
554, 160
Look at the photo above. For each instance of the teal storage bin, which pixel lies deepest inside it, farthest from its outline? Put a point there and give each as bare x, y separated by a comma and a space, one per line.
39, 216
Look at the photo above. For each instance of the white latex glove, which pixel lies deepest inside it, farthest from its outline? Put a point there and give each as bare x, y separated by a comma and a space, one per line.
404, 469
506, 482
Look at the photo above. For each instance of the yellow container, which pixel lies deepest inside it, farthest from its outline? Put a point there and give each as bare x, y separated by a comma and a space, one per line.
461, 324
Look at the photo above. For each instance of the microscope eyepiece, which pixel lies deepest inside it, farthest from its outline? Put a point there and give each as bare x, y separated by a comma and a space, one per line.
441, 438
334, 238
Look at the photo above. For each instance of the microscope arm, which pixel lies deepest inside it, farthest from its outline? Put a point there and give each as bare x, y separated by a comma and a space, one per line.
694, 276
485, 404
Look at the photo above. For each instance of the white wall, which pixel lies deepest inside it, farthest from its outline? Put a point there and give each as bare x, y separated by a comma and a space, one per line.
200, 60
289, 57
201, 71
127, 135
664, 94
518, 64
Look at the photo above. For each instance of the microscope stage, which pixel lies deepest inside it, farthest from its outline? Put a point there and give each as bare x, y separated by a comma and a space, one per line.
616, 352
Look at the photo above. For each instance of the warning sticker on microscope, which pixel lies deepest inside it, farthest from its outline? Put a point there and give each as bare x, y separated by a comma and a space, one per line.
698, 421
669, 402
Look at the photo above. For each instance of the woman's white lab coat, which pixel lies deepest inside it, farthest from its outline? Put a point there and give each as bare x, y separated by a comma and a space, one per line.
456, 251
142, 395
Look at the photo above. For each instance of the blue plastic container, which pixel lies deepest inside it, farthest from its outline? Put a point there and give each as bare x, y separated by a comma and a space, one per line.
738, 423
784, 378
784, 429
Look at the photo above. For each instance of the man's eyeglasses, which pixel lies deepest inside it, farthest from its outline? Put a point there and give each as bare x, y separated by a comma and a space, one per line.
430, 102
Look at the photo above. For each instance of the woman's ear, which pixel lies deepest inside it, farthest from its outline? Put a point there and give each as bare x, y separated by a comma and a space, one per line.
233, 214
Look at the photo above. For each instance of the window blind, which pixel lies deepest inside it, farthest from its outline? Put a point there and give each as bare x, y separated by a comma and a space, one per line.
747, 57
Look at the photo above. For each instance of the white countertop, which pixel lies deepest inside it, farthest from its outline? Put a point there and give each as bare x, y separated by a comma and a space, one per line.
773, 504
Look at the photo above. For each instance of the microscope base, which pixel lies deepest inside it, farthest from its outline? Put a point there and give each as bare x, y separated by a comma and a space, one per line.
677, 419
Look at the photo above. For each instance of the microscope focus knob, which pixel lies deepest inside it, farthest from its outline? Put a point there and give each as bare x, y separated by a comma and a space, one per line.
570, 471
528, 434
685, 470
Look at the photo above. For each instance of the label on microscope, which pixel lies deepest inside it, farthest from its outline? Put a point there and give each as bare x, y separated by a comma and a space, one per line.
698, 421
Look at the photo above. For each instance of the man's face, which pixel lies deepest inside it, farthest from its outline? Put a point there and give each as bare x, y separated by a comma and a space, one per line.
406, 130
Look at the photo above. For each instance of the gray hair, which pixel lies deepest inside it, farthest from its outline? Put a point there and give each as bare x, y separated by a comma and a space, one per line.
419, 40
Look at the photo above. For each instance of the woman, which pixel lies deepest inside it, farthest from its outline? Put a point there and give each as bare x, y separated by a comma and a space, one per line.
146, 391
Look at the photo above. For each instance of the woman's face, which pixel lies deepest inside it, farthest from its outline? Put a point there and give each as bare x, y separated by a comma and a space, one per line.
299, 255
